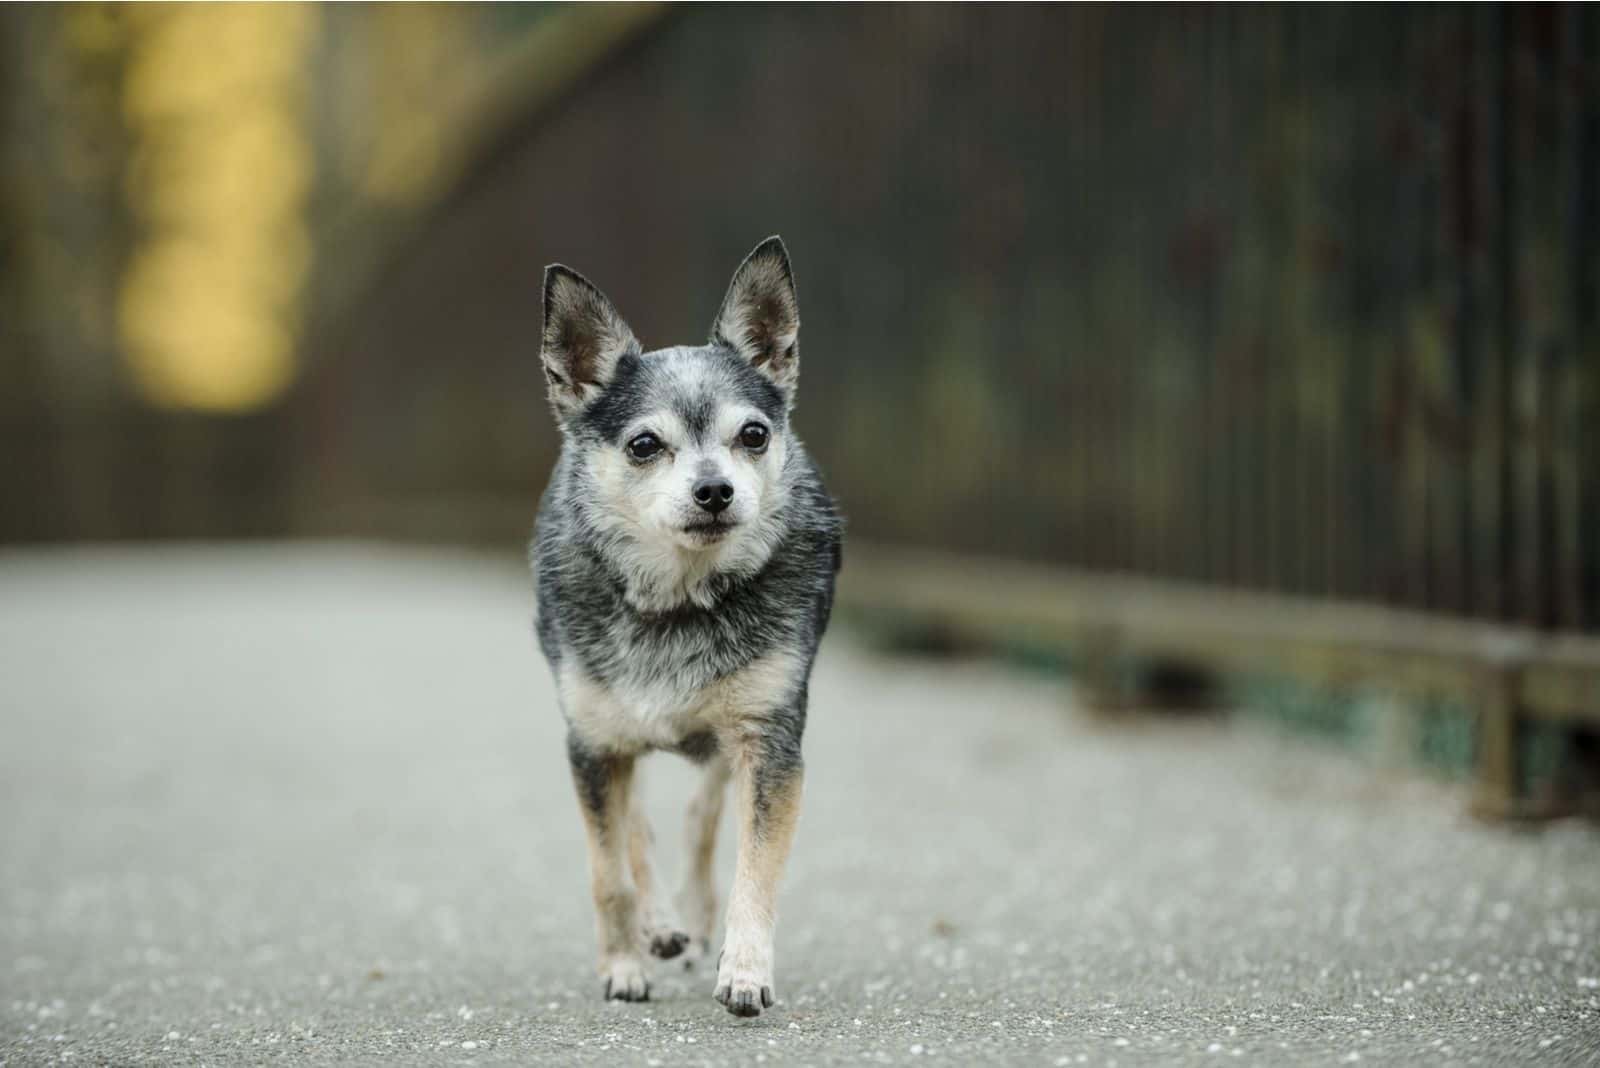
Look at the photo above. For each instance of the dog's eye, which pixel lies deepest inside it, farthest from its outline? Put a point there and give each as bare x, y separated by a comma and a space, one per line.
753, 437
644, 446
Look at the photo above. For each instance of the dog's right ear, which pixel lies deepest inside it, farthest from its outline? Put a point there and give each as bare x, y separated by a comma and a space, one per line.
584, 337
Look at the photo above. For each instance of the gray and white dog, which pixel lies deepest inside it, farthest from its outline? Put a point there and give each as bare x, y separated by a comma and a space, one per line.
685, 555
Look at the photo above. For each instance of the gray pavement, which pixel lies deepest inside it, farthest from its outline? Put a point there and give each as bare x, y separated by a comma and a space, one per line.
309, 803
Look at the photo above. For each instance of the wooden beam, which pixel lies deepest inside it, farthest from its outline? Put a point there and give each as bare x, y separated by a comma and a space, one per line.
1511, 674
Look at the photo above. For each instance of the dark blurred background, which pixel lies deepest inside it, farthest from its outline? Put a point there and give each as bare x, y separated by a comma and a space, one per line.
1300, 299
1295, 300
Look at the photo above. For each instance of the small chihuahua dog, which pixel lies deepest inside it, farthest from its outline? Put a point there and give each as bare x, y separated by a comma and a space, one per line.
685, 555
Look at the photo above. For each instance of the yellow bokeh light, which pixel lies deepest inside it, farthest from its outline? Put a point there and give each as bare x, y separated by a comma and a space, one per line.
203, 173
197, 332
201, 58
209, 309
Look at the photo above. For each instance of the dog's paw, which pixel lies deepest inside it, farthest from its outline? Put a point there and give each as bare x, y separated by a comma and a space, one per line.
667, 944
625, 980
662, 932
744, 998
744, 982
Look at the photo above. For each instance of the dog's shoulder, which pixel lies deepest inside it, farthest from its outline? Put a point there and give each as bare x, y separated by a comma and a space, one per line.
569, 578
818, 525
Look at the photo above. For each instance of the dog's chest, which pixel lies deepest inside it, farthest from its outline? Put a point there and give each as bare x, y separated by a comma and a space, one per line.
631, 717
654, 694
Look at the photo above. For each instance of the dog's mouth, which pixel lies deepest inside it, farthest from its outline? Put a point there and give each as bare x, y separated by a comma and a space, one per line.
711, 530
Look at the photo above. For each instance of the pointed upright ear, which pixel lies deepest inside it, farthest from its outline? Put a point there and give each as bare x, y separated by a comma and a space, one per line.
760, 317
584, 337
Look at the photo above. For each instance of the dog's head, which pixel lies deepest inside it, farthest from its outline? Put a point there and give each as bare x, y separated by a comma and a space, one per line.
681, 450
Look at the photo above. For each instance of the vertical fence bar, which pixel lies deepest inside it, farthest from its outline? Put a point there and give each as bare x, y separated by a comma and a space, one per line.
1487, 593
1505, 286
1585, 249
1460, 385
1566, 466
1524, 382
1440, 371
1530, 352
1413, 330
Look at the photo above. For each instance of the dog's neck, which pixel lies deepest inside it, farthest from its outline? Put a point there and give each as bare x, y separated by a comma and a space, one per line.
657, 582
658, 576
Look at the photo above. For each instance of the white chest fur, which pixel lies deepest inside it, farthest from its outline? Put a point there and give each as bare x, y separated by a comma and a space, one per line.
659, 713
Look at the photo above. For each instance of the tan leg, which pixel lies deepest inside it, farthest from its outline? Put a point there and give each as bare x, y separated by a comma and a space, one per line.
697, 896
662, 932
768, 777
604, 783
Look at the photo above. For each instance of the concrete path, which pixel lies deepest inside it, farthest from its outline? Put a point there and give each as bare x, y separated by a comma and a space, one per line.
309, 804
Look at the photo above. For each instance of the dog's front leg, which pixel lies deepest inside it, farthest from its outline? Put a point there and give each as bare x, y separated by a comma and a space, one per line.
662, 932
768, 774
604, 781
697, 898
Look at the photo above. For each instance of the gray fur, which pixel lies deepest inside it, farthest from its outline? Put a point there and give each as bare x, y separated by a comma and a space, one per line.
647, 601
777, 595
583, 571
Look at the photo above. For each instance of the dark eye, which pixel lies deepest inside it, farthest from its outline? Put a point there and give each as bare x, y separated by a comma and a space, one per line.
753, 437
644, 446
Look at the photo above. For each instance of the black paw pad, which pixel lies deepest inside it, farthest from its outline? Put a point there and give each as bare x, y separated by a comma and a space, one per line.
669, 945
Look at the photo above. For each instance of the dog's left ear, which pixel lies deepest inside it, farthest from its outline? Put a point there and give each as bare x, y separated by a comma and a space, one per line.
760, 317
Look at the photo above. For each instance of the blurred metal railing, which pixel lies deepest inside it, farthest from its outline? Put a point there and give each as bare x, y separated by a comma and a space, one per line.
1508, 678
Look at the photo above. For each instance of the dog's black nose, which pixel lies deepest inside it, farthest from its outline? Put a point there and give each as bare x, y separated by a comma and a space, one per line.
713, 494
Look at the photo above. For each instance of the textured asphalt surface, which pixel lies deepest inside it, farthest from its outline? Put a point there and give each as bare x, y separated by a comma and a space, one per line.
309, 804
